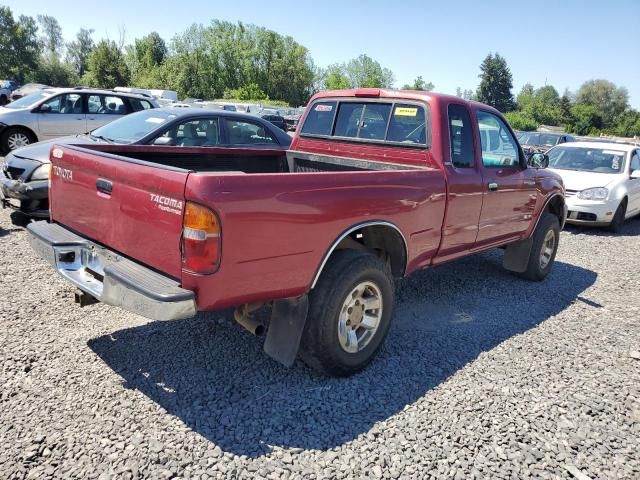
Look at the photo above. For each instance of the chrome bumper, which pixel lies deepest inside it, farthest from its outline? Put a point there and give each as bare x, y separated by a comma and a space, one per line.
109, 277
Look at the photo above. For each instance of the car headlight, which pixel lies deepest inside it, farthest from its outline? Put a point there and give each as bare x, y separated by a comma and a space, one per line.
42, 172
598, 193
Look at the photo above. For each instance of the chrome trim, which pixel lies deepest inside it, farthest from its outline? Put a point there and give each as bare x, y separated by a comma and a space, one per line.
109, 277
349, 231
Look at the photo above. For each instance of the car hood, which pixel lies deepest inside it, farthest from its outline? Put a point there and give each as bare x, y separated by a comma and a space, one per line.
6, 112
576, 180
40, 151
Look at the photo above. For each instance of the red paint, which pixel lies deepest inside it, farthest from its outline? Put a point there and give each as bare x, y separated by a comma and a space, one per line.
276, 228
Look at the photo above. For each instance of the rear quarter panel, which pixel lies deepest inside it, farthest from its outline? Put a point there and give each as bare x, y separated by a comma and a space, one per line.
277, 228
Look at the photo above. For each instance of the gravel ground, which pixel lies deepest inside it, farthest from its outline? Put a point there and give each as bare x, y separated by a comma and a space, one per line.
483, 376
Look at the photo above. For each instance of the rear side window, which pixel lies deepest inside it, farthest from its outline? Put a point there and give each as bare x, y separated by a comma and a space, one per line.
246, 133
320, 119
460, 137
137, 104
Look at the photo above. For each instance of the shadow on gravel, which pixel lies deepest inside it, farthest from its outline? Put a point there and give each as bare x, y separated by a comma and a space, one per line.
4, 231
213, 375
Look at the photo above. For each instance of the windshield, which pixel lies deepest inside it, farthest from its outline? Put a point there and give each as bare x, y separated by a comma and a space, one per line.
549, 140
133, 127
28, 101
584, 159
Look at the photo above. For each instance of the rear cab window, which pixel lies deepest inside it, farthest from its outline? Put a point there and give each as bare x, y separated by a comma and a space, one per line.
368, 121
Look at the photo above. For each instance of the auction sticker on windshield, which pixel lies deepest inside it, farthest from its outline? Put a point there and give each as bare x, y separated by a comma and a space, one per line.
323, 108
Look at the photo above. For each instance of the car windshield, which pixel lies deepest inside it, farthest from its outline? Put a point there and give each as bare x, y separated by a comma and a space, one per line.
586, 159
133, 127
549, 140
28, 101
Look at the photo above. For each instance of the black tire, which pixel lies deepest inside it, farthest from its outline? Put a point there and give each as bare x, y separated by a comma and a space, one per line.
618, 218
4, 139
3, 100
536, 270
320, 347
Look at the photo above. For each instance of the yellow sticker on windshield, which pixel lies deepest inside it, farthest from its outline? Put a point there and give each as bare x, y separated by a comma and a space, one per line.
405, 112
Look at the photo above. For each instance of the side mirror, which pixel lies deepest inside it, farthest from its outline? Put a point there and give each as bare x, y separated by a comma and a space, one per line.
46, 108
538, 160
163, 141
635, 174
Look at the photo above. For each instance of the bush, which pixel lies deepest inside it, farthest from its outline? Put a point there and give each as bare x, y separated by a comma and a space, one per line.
521, 121
248, 92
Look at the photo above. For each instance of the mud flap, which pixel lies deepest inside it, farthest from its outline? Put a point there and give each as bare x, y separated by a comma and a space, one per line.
516, 256
288, 318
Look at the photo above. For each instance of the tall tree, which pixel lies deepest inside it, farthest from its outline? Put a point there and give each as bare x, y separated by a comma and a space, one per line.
496, 83
106, 67
419, 84
608, 99
78, 50
151, 50
364, 71
336, 78
51, 38
20, 50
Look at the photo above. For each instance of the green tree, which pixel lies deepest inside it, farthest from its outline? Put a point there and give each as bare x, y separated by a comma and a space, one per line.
608, 99
51, 40
335, 78
521, 121
564, 106
466, 94
20, 52
496, 83
627, 124
106, 66
248, 92
364, 71
78, 50
586, 119
419, 84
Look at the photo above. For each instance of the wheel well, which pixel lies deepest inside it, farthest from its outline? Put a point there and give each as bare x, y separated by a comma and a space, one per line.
26, 129
383, 240
556, 207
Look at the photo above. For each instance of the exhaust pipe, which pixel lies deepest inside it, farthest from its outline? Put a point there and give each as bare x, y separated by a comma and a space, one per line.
243, 315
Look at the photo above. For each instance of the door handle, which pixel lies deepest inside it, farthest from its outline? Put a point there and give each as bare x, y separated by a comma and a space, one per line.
529, 182
79, 118
104, 186
493, 186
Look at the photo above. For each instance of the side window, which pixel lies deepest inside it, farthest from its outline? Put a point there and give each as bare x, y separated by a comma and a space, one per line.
319, 119
499, 147
194, 133
460, 137
246, 133
66, 103
138, 105
635, 161
362, 120
106, 104
407, 125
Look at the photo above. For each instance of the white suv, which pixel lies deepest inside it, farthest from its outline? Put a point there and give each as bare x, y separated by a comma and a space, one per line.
57, 112
602, 181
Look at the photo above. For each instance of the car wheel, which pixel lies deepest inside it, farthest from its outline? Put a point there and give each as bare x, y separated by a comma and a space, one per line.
3, 100
618, 218
544, 248
14, 138
349, 313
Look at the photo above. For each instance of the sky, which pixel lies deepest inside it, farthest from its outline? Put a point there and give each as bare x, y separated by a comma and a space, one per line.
560, 43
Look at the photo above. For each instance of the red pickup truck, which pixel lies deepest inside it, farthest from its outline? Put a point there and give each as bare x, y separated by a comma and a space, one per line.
376, 185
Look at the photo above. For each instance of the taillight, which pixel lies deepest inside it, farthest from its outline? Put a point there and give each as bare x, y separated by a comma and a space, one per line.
200, 239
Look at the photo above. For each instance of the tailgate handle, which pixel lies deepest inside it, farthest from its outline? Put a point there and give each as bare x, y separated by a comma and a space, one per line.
104, 186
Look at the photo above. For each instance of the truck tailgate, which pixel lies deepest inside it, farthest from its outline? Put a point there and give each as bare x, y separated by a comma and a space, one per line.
131, 206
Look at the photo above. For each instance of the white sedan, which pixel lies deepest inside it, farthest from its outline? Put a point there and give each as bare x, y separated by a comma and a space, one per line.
602, 181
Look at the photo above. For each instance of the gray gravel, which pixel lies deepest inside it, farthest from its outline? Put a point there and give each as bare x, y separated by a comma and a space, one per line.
483, 376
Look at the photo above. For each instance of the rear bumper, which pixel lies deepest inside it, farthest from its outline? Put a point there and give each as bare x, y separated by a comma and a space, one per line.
109, 277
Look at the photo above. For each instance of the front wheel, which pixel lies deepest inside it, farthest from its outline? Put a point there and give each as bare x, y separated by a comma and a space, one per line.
14, 138
618, 218
544, 248
349, 313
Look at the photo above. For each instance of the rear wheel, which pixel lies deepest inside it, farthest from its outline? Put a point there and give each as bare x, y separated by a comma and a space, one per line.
3, 100
14, 138
349, 313
618, 218
544, 248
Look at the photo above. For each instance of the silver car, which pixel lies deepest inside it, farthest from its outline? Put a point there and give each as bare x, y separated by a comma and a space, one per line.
57, 112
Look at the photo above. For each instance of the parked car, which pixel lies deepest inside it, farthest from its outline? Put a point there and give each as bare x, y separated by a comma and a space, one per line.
533, 142
602, 181
27, 89
5, 94
24, 178
292, 117
58, 112
167, 232
276, 119
9, 85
